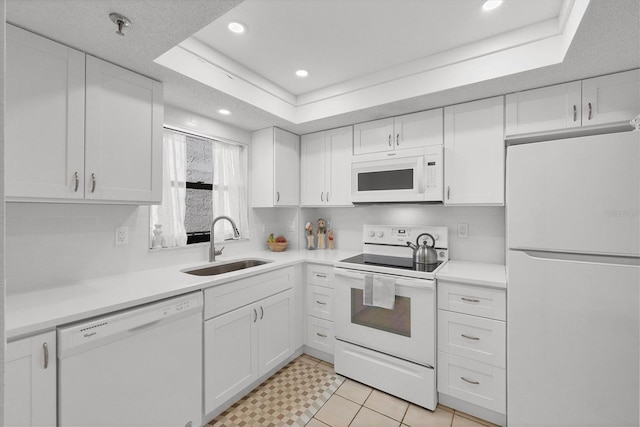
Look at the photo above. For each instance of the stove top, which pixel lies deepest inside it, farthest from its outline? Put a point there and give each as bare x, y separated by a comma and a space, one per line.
385, 251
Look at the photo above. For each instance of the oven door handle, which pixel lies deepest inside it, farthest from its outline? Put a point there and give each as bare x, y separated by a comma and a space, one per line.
409, 283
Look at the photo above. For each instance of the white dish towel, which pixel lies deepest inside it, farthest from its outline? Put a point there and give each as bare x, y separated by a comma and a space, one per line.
379, 291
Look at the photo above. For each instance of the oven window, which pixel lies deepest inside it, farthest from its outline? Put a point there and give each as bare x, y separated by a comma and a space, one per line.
400, 179
396, 321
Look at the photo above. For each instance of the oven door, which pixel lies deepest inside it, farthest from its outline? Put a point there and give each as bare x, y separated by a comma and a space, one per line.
407, 331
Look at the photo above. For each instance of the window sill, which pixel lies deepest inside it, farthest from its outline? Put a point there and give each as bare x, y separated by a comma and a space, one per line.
198, 245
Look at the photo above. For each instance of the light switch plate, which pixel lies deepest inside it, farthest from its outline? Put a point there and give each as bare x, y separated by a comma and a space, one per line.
463, 231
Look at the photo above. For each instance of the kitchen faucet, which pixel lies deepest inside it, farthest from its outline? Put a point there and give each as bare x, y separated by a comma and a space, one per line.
212, 248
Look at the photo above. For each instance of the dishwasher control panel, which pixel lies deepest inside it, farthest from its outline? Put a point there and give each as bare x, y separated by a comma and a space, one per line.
127, 322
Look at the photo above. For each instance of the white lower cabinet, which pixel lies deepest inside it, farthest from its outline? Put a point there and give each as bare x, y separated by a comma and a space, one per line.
320, 309
248, 331
30, 381
472, 345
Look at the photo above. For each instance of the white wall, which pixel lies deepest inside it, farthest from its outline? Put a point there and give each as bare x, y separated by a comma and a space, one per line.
486, 241
2, 210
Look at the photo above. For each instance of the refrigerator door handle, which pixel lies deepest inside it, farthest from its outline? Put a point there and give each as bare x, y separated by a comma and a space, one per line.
579, 257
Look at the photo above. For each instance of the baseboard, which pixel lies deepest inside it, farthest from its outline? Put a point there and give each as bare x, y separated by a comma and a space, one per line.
471, 409
318, 354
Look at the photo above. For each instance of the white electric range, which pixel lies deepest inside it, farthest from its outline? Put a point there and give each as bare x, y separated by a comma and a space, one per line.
393, 349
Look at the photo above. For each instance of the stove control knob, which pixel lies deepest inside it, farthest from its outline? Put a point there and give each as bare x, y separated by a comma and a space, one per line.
435, 236
441, 254
380, 234
372, 233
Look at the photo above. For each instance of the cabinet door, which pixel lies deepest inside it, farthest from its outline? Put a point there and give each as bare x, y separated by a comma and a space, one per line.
312, 169
474, 153
545, 109
339, 143
123, 141
418, 129
286, 168
230, 355
373, 137
44, 118
275, 327
30, 381
611, 99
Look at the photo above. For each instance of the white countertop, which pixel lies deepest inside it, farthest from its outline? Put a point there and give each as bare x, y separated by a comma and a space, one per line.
37, 311
41, 310
474, 273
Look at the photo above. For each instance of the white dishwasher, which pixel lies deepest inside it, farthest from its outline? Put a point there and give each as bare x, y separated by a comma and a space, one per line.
138, 367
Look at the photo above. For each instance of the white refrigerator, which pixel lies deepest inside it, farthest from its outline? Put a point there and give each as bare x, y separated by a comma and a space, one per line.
573, 266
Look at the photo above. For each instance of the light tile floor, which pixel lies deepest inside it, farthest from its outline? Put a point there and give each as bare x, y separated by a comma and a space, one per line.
357, 405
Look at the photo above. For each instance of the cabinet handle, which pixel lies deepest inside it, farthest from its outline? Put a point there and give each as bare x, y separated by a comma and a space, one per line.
46, 355
469, 299
321, 335
397, 139
327, 197
321, 303
76, 178
389, 140
277, 196
448, 192
322, 196
470, 337
322, 276
261, 312
255, 315
590, 111
469, 381
575, 113
93, 182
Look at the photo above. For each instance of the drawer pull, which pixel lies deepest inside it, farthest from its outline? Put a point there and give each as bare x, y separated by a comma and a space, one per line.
321, 335
469, 381
469, 299
321, 302
470, 337
45, 347
322, 276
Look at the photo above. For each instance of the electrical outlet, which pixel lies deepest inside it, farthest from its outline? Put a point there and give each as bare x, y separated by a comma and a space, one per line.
463, 231
122, 236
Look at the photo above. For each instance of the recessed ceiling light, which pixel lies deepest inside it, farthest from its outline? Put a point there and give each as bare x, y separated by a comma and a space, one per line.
302, 73
491, 4
224, 112
237, 27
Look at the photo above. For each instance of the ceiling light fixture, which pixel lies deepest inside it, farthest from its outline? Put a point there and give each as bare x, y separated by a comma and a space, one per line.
224, 112
121, 21
237, 27
491, 4
302, 73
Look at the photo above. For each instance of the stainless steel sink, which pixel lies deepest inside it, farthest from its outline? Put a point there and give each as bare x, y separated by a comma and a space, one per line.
226, 267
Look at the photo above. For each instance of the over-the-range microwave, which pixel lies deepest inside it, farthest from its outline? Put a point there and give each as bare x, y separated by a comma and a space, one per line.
415, 178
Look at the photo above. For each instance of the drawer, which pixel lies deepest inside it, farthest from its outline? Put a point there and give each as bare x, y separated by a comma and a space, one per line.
320, 302
474, 300
477, 338
320, 334
475, 382
229, 296
320, 275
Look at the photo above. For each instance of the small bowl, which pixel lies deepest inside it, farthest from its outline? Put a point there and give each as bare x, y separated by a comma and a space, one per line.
277, 247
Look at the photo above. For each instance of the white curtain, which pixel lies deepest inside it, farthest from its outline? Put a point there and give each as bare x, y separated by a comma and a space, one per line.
171, 213
229, 189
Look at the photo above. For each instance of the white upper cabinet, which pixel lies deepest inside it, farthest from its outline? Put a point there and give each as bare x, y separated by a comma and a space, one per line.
76, 139
44, 118
610, 100
275, 168
398, 133
544, 109
123, 144
325, 161
474, 153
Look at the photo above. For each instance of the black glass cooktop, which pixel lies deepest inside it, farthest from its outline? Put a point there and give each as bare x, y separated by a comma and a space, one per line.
391, 262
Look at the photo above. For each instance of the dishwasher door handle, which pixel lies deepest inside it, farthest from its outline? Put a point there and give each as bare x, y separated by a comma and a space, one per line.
145, 326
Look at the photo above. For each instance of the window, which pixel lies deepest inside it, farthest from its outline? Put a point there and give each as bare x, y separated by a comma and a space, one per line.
202, 178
